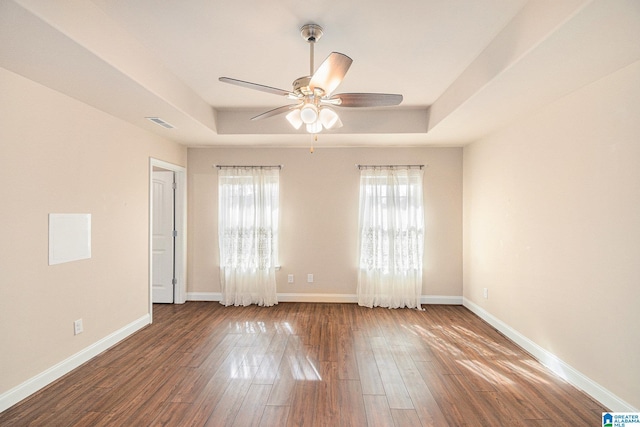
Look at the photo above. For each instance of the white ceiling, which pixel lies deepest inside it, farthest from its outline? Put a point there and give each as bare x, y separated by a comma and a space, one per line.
465, 67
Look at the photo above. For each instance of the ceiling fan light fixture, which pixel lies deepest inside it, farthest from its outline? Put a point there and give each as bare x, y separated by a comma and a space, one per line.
294, 118
329, 118
309, 114
315, 127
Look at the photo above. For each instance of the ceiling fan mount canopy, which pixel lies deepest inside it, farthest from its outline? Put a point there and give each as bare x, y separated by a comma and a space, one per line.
311, 32
314, 93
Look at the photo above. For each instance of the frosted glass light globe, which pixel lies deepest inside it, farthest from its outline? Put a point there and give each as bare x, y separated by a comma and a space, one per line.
309, 113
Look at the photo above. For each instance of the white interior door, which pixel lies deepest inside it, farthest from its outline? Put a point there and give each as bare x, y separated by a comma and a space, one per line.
163, 238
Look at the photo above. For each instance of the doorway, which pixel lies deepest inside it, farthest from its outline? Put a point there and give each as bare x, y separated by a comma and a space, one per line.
167, 233
163, 237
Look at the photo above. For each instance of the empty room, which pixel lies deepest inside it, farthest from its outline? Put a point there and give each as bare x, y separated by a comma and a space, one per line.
361, 213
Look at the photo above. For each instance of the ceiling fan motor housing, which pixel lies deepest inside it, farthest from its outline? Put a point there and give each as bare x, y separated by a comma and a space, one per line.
301, 86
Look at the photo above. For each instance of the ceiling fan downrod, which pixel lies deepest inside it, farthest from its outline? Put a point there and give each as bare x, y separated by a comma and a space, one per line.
311, 33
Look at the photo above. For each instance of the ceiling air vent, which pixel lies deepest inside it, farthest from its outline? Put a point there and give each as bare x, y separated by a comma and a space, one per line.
159, 121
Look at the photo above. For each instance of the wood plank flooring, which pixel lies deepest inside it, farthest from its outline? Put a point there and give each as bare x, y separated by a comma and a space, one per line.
304, 364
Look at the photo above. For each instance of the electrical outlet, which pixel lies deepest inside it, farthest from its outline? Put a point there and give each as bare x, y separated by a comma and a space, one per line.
77, 327
310, 278
290, 278
485, 293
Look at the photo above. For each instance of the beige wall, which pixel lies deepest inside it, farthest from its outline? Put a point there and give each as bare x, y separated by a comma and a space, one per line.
552, 229
58, 155
319, 215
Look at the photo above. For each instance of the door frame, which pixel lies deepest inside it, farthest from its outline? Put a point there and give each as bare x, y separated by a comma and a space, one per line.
180, 291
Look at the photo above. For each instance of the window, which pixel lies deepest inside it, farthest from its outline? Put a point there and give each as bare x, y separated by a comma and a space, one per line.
391, 226
248, 199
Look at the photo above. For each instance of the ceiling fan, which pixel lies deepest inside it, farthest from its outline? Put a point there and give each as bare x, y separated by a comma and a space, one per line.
314, 93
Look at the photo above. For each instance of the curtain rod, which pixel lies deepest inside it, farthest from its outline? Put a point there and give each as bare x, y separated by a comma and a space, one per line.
249, 166
388, 166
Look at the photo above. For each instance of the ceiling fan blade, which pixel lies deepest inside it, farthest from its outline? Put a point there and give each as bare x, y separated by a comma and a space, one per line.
330, 73
275, 111
255, 86
366, 99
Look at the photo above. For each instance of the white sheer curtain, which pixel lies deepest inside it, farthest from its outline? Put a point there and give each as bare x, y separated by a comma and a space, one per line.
391, 226
248, 234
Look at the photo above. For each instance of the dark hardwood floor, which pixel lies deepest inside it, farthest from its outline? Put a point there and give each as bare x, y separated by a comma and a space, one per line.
303, 364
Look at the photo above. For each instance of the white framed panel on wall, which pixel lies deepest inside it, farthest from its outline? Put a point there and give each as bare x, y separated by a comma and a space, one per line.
69, 237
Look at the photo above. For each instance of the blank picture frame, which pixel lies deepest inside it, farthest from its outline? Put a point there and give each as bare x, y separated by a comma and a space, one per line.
69, 237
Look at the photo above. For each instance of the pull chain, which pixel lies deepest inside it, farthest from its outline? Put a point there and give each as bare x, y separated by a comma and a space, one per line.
315, 139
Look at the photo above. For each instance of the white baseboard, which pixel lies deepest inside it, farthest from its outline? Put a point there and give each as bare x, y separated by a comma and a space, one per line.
441, 299
27, 388
555, 364
304, 297
338, 298
204, 296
